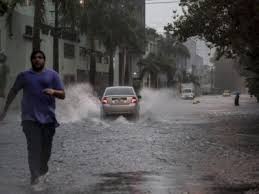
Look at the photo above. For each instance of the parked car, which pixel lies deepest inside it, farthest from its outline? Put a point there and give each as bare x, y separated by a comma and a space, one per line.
120, 100
226, 93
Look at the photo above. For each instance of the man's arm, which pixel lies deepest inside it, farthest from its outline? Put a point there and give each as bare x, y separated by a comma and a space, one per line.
11, 95
60, 94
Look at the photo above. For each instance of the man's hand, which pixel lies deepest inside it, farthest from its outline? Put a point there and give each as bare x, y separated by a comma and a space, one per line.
56, 93
2, 116
49, 91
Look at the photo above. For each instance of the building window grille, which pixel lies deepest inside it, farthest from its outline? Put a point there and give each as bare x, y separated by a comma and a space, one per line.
69, 51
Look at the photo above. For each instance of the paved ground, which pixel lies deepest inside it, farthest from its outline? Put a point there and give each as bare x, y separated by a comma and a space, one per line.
175, 147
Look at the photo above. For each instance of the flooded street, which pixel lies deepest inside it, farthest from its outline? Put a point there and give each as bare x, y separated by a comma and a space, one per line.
176, 147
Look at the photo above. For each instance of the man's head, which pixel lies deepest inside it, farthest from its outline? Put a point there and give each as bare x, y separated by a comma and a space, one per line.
38, 60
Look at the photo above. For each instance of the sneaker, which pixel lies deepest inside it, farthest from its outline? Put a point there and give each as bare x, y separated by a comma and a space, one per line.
44, 178
39, 185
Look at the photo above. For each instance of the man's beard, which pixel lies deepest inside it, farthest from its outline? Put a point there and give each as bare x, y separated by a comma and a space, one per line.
37, 68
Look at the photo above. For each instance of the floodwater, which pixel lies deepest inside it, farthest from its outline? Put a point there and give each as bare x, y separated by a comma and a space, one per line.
176, 147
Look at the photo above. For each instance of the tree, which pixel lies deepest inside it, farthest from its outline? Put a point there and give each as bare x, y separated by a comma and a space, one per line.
62, 8
230, 26
3, 7
129, 35
38, 20
112, 23
69, 12
91, 24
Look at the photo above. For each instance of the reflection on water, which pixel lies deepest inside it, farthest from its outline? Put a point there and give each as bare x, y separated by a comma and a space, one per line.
153, 183
132, 182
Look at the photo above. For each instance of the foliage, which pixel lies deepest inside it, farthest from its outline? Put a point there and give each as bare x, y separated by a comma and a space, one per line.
112, 22
164, 59
230, 26
151, 34
3, 7
170, 45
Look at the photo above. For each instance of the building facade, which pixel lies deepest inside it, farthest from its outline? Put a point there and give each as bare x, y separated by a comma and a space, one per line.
74, 56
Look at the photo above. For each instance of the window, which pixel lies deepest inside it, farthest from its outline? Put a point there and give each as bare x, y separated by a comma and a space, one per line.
119, 91
69, 79
99, 58
69, 50
106, 60
82, 54
52, 13
28, 30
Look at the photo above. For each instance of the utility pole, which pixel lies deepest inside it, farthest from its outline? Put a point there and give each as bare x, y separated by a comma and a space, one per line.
55, 40
211, 78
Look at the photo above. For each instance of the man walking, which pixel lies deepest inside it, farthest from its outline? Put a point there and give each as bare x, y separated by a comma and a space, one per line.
237, 99
40, 88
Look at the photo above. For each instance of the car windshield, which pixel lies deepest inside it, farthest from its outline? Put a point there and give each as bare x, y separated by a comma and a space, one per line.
119, 91
187, 91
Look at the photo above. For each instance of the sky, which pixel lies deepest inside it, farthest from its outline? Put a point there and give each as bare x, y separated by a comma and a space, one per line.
160, 14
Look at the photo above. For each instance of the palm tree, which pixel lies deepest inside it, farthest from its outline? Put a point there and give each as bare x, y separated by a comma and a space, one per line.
110, 21
68, 10
121, 29
38, 20
91, 24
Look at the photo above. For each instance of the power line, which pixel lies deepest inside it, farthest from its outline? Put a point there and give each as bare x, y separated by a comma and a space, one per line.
160, 2
157, 0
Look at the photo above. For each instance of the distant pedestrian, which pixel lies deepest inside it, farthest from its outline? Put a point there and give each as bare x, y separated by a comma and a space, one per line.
40, 88
237, 99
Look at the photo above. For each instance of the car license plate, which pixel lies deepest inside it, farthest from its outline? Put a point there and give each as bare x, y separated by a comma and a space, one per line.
119, 100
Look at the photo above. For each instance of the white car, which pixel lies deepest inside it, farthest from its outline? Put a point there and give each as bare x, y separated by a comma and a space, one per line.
120, 100
187, 93
226, 93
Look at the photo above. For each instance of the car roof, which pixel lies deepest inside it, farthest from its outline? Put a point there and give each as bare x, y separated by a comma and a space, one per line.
119, 87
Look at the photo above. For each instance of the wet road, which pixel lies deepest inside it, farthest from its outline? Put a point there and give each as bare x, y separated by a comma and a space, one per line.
175, 148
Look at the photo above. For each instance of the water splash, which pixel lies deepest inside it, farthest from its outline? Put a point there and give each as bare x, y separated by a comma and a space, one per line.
80, 103
157, 100
162, 103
